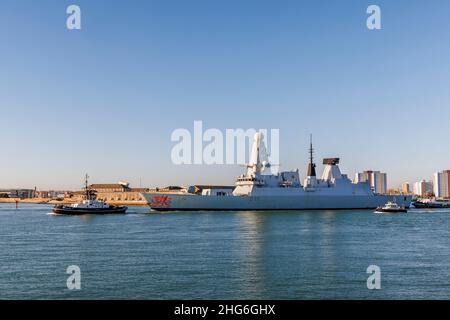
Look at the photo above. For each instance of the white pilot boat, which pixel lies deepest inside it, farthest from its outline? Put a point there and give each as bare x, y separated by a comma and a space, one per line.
391, 207
89, 206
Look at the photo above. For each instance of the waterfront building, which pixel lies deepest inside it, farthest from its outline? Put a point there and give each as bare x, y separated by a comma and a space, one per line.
117, 193
376, 179
423, 188
51, 194
441, 182
19, 193
111, 187
406, 188
121, 197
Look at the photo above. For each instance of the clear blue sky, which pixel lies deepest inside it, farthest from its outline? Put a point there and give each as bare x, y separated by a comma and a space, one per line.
106, 98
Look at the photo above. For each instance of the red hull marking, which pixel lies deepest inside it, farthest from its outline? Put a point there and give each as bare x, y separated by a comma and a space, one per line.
160, 201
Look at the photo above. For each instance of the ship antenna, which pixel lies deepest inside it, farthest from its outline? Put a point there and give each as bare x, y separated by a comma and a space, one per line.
86, 186
311, 150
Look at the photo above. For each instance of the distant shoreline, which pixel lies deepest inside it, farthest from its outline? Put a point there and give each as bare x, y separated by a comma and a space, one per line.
65, 201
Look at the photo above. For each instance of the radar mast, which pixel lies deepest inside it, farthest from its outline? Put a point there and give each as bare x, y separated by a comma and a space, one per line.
311, 165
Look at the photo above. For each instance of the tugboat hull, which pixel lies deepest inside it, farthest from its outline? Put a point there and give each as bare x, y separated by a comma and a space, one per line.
80, 211
430, 205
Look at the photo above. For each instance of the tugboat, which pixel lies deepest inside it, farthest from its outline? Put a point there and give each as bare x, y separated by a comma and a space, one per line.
431, 204
89, 206
391, 207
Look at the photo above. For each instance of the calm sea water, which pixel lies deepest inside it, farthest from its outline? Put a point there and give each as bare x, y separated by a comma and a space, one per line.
224, 255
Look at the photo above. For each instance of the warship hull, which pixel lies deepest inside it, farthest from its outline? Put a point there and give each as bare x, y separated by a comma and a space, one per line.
192, 202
